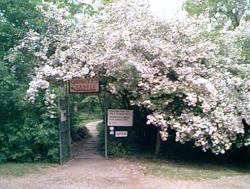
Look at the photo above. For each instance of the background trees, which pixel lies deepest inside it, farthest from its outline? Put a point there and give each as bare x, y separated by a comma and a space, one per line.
27, 132
24, 128
190, 78
220, 12
223, 15
185, 76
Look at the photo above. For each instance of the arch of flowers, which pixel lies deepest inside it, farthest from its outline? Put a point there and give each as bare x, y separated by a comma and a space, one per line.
193, 84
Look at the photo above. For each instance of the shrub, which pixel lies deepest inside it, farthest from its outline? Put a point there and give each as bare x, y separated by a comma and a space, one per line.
34, 137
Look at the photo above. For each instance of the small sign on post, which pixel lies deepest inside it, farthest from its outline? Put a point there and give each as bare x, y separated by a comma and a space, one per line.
121, 134
90, 85
63, 116
120, 118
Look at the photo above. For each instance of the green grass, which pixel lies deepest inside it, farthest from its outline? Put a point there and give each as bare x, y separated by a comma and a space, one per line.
192, 170
20, 169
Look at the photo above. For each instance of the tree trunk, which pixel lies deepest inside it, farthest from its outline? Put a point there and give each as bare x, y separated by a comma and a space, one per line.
158, 144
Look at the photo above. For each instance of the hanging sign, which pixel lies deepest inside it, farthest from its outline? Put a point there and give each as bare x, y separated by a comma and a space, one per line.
120, 117
121, 134
90, 85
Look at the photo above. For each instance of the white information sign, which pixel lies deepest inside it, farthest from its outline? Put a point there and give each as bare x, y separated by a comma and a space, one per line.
63, 116
120, 117
121, 134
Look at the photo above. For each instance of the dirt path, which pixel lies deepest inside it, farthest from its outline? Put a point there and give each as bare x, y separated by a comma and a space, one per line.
87, 149
89, 170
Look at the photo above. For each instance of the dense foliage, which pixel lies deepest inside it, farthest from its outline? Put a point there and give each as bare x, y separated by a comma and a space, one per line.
191, 76
222, 12
192, 84
27, 132
223, 15
24, 128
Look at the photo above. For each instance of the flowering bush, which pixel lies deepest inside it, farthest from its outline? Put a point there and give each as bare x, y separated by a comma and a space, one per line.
194, 85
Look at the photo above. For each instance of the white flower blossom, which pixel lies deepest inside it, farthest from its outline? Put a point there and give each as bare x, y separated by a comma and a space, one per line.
171, 61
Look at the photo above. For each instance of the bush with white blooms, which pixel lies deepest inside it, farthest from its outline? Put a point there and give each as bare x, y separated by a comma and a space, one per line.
193, 84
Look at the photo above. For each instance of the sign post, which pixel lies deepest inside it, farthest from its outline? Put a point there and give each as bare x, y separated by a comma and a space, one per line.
105, 126
119, 118
106, 137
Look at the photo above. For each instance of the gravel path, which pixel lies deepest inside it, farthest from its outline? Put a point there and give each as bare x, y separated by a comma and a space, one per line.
86, 172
